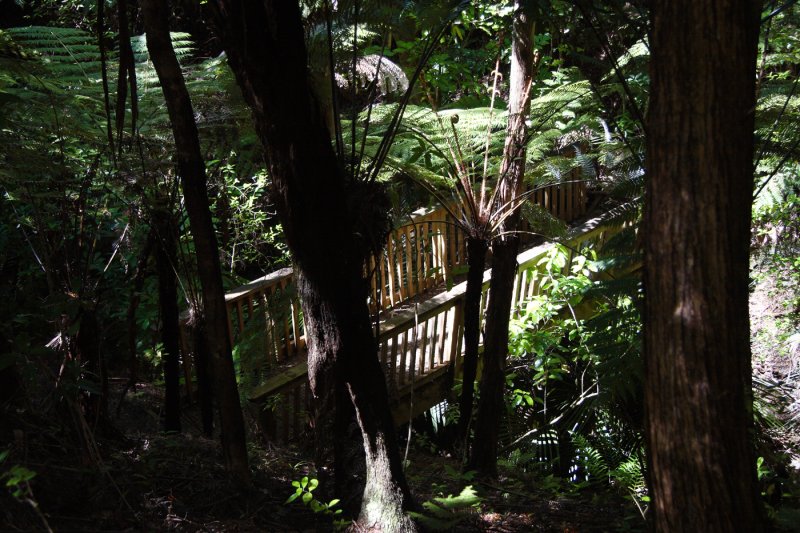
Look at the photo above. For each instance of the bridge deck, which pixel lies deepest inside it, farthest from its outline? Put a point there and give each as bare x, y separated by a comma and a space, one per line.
420, 346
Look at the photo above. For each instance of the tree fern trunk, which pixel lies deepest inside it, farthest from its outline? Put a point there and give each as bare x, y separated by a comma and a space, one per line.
504, 249
191, 169
476, 260
697, 225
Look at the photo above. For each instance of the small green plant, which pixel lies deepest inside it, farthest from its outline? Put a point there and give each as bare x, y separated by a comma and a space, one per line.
304, 491
18, 480
445, 513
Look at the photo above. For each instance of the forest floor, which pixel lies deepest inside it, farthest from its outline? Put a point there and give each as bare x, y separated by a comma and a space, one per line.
135, 478
143, 480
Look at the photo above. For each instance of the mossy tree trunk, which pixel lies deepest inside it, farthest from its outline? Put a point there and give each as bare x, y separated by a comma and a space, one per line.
698, 202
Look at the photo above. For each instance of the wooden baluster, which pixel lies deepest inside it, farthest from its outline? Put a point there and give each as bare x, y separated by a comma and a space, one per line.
419, 234
441, 244
384, 351
295, 310
423, 347
240, 312
547, 196
562, 204
435, 340
401, 376
386, 266
455, 336
285, 319
584, 202
389, 265
515, 290
393, 360
409, 263
274, 342
443, 341
532, 284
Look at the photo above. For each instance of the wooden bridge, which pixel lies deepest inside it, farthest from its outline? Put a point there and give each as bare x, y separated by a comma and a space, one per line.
418, 345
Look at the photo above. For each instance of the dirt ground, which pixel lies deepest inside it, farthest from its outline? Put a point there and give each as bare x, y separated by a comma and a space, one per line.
142, 480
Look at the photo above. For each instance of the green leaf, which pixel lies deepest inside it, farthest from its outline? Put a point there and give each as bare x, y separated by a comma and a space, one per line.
307, 497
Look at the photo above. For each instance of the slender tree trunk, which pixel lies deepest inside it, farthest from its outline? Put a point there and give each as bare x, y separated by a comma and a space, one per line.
166, 258
325, 218
202, 363
133, 306
504, 249
87, 345
10, 384
697, 222
191, 169
476, 260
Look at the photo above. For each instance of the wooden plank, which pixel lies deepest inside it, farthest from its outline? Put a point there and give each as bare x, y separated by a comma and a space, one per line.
384, 347
393, 359
390, 266
279, 382
443, 334
455, 333
568, 199
401, 369
261, 283
294, 306
515, 290
434, 342
423, 347
451, 245
419, 232
441, 244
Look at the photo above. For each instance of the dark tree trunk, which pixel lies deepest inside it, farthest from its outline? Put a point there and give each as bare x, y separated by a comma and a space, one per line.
202, 364
191, 169
697, 225
133, 306
10, 384
476, 260
491, 405
87, 344
325, 225
504, 249
166, 260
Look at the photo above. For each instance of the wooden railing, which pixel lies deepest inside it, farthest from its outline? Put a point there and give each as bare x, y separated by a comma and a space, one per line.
416, 346
429, 249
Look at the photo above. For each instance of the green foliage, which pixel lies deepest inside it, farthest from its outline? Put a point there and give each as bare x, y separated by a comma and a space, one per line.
604, 462
445, 513
250, 235
304, 491
18, 481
